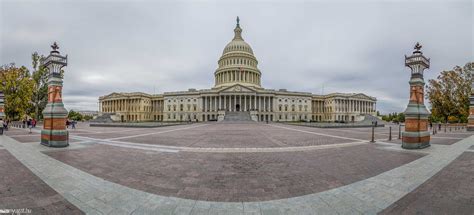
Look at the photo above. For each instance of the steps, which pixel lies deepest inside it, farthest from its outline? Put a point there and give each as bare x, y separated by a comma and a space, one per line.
237, 116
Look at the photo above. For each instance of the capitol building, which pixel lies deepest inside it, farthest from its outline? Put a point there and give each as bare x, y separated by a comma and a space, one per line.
237, 94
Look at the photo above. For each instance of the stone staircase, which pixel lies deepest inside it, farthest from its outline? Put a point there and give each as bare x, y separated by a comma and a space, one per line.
237, 116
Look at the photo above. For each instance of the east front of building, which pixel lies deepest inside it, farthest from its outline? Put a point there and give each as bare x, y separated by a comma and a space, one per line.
237, 94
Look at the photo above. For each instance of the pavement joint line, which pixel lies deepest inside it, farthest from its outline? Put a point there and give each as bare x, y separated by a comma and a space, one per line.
159, 132
470, 150
321, 134
164, 148
453, 138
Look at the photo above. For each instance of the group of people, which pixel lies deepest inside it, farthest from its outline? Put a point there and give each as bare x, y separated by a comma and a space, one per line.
71, 123
31, 123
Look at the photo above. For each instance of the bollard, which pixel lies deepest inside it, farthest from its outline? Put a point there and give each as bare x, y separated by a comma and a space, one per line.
373, 136
390, 133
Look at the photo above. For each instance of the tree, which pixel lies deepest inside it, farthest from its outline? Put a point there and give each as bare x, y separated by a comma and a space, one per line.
40, 91
448, 94
17, 86
74, 115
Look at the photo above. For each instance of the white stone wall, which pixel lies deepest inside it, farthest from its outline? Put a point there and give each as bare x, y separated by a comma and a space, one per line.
292, 108
182, 108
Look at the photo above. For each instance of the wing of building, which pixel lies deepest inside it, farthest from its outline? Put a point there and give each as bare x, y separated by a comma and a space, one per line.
237, 93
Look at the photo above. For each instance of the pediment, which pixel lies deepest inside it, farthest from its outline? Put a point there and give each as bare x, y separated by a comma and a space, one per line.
362, 96
112, 95
237, 89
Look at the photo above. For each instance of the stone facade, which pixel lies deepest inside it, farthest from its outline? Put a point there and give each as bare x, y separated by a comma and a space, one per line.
238, 89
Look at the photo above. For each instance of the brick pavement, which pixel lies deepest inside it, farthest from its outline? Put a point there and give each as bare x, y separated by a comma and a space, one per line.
450, 191
233, 176
369, 196
20, 188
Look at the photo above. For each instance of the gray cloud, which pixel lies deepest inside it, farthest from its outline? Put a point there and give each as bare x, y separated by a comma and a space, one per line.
167, 46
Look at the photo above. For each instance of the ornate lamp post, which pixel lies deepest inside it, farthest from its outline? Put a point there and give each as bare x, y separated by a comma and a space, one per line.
54, 133
416, 134
470, 124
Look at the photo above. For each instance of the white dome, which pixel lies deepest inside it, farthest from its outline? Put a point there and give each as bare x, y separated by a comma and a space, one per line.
237, 63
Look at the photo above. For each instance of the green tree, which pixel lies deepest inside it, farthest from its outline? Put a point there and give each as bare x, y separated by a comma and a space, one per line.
73, 115
17, 86
40, 91
448, 94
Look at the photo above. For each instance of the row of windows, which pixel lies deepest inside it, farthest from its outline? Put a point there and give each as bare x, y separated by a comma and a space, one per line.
181, 107
300, 107
238, 61
181, 100
286, 100
238, 48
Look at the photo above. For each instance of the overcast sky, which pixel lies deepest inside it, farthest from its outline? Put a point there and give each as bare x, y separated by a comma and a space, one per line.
338, 46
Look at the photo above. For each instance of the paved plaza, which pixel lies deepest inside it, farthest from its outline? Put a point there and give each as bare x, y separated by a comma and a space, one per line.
236, 168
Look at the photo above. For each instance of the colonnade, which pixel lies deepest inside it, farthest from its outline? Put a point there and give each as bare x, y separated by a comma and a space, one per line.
350, 105
237, 76
237, 103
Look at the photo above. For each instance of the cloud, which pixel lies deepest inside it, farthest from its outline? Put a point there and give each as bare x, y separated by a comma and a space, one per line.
341, 46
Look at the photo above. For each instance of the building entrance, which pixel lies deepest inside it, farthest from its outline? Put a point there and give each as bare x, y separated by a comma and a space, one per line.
237, 107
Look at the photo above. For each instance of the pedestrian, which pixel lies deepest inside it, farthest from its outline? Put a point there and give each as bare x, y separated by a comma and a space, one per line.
24, 123
1, 126
33, 123
67, 123
439, 126
73, 124
5, 124
431, 125
28, 123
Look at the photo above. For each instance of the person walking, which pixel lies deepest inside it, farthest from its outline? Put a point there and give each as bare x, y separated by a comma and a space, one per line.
1, 126
28, 123
73, 123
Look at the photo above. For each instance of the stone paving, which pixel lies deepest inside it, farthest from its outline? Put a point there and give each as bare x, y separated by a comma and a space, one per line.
234, 176
450, 191
20, 188
303, 170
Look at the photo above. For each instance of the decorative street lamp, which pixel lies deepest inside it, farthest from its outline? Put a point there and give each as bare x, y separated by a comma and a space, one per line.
470, 124
54, 133
416, 134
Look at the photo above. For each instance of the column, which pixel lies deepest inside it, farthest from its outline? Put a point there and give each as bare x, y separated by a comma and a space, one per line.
240, 102
245, 102
235, 103
264, 104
